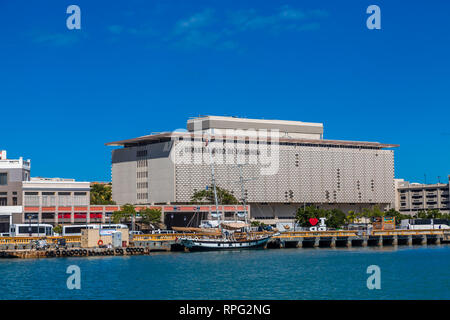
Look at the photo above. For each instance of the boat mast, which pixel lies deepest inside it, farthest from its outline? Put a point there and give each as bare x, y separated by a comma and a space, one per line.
242, 181
213, 182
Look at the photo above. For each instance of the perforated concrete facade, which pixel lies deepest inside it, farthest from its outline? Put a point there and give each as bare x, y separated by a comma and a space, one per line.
305, 174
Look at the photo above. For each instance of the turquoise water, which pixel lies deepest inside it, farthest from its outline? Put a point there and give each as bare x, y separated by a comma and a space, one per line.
406, 273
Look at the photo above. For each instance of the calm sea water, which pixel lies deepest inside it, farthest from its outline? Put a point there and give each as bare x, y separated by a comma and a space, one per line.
406, 273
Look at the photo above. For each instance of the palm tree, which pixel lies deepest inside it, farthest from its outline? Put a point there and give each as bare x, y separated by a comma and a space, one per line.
101, 194
127, 212
351, 217
150, 217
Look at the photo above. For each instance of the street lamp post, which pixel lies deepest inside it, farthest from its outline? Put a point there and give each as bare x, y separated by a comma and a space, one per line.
29, 227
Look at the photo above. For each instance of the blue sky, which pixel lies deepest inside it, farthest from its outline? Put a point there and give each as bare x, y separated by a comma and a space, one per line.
137, 67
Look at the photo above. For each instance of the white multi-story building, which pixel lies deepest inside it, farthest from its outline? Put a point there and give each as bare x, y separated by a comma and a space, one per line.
23, 198
287, 164
12, 174
55, 192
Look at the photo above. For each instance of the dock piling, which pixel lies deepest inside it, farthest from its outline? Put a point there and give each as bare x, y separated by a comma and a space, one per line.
380, 241
348, 243
365, 242
423, 241
333, 242
316, 242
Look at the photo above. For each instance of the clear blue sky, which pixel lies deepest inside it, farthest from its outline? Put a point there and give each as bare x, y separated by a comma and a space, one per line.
137, 67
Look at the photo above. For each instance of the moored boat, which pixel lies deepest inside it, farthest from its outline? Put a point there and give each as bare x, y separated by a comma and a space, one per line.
202, 243
228, 234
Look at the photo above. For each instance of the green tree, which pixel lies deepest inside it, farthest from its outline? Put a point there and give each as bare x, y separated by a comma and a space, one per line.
335, 218
126, 214
150, 217
434, 214
351, 217
305, 213
57, 229
255, 223
223, 196
373, 212
431, 214
101, 194
421, 214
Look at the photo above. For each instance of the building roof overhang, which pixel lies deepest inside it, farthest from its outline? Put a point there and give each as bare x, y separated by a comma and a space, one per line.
165, 136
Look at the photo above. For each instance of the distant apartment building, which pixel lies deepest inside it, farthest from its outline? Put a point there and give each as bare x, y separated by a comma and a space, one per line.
411, 198
350, 175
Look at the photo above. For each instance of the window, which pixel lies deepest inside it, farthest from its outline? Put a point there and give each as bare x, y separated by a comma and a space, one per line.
3, 179
48, 215
31, 199
141, 153
14, 201
32, 229
3, 202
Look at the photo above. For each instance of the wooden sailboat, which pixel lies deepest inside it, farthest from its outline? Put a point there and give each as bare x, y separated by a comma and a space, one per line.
226, 236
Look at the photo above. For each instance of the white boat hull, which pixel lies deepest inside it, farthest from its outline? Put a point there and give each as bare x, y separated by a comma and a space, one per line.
193, 244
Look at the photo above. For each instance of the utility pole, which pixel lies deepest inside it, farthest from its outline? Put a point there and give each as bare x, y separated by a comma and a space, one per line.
213, 181
243, 198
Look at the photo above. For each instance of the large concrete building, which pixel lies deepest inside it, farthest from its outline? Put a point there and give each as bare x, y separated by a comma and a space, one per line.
411, 198
287, 164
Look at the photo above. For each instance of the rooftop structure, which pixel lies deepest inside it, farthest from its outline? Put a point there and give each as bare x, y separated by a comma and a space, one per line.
290, 129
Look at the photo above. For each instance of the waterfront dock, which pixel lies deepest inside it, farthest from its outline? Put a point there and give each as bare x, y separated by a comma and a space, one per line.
72, 252
24, 247
360, 239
